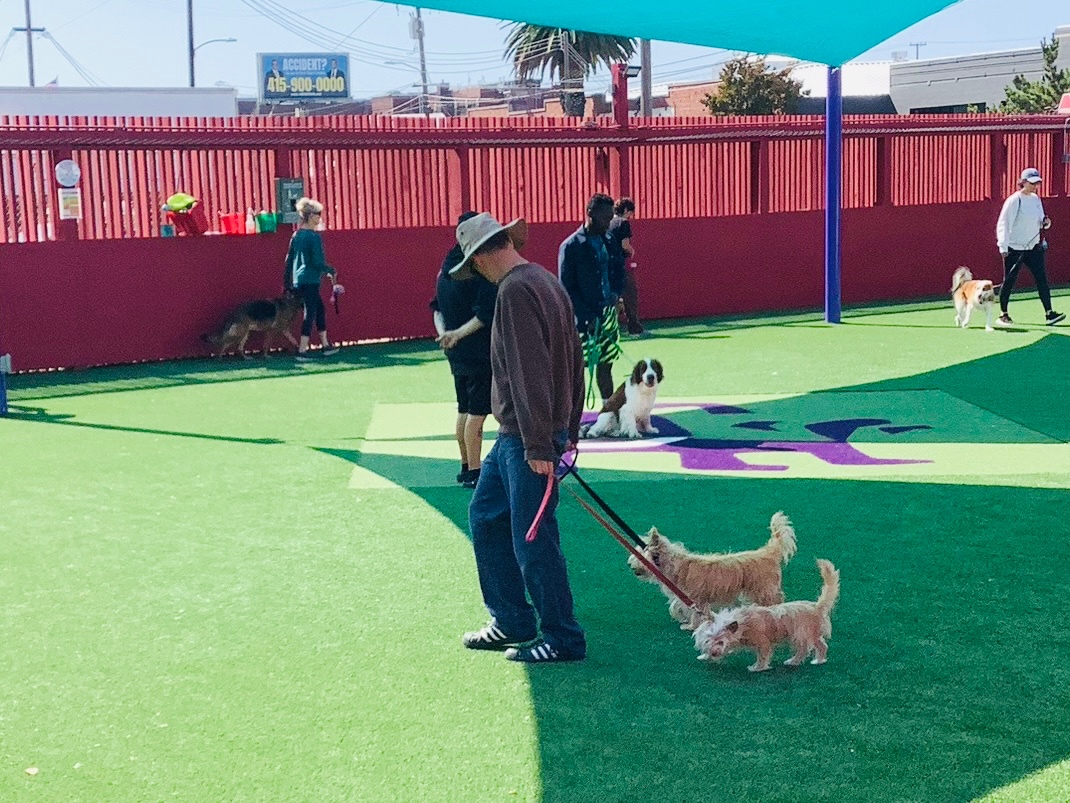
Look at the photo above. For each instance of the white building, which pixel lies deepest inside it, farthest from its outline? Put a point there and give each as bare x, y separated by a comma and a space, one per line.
118, 102
960, 83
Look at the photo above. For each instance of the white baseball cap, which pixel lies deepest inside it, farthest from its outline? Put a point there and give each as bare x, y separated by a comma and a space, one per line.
1032, 175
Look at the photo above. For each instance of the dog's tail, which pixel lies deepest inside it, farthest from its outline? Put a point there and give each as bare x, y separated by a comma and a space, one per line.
962, 275
830, 587
782, 538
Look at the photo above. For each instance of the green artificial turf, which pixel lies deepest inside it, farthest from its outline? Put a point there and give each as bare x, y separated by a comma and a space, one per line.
244, 581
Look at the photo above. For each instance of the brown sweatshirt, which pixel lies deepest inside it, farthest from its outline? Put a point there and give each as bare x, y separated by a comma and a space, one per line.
536, 361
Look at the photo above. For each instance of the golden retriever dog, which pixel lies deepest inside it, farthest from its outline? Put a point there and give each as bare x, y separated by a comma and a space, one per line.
969, 294
806, 626
720, 579
270, 316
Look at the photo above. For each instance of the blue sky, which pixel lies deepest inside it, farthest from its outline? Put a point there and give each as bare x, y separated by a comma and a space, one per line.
143, 42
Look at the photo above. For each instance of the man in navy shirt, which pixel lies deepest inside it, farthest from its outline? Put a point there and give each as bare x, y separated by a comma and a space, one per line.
590, 265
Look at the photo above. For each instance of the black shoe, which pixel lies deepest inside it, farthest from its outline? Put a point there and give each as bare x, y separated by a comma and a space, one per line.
491, 637
1052, 317
329, 351
539, 652
462, 474
471, 478
1005, 320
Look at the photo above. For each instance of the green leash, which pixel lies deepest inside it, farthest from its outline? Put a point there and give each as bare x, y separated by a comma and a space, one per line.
601, 346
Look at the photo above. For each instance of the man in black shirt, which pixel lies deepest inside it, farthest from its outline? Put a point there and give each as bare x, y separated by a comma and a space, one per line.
463, 312
621, 230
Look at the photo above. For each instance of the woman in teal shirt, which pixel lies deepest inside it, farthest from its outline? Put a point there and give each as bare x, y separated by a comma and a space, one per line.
305, 268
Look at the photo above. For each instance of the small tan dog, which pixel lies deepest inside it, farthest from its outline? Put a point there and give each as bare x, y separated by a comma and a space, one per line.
805, 625
969, 294
719, 579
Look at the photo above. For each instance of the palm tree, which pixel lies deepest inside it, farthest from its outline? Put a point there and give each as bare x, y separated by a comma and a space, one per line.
536, 49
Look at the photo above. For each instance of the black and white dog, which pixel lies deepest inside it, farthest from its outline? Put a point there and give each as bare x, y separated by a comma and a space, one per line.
626, 414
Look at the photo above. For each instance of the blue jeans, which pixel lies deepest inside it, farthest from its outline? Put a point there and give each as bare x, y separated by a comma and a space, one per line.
503, 507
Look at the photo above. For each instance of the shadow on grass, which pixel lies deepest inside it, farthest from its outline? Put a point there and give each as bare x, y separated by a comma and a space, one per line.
936, 659
1027, 385
144, 376
947, 642
38, 415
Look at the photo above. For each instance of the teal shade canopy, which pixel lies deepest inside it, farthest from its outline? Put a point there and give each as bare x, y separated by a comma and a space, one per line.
826, 31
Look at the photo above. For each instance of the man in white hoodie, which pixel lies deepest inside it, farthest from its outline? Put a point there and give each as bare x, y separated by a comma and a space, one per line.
1018, 235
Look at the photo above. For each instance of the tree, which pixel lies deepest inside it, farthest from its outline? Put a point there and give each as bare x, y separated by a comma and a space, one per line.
1038, 97
535, 50
749, 86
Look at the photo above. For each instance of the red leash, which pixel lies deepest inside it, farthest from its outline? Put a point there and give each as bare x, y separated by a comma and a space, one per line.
654, 570
570, 468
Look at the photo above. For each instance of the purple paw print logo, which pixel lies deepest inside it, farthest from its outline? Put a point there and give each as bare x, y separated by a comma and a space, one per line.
831, 445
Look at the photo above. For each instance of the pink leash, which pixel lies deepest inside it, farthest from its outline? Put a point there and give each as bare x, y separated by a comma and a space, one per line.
562, 468
534, 528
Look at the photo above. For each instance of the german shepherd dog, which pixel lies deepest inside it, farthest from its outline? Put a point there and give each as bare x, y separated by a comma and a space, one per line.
270, 316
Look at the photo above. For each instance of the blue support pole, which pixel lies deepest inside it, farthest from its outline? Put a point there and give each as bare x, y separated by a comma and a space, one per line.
833, 188
5, 369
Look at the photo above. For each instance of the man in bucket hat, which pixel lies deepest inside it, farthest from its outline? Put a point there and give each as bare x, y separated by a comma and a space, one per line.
537, 398
1019, 235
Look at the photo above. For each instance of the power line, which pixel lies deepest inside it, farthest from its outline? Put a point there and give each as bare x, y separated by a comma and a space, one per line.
87, 74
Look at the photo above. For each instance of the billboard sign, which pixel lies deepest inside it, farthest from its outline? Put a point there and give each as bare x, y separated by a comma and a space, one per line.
308, 76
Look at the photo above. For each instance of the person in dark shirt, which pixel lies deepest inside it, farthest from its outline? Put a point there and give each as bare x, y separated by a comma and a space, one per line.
537, 398
590, 265
305, 268
621, 230
463, 312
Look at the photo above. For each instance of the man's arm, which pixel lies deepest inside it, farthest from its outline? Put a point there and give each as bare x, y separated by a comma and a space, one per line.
451, 338
530, 371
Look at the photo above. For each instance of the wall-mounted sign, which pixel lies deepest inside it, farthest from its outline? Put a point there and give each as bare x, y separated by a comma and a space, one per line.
68, 173
70, 203
316, 76
287, 193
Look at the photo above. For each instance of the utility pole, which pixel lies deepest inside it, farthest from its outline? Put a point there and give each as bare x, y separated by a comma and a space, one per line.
423, 61
917, 48
189, 27
29, 44
567, 91
645, 80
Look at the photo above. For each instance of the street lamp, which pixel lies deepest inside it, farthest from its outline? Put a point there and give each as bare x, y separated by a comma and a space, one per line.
198, 47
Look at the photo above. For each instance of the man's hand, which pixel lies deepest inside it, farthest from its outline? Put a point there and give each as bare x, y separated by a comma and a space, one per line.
448, 340
543, 467
1003, 252
1046, 224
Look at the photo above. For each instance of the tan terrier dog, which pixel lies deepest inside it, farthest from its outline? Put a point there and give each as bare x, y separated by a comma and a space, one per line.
805, 625
718, 580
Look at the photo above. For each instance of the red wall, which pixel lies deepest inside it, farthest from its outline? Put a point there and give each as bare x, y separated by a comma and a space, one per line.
74, 304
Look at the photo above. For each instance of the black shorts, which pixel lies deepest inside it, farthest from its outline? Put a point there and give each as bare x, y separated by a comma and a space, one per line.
473, 393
